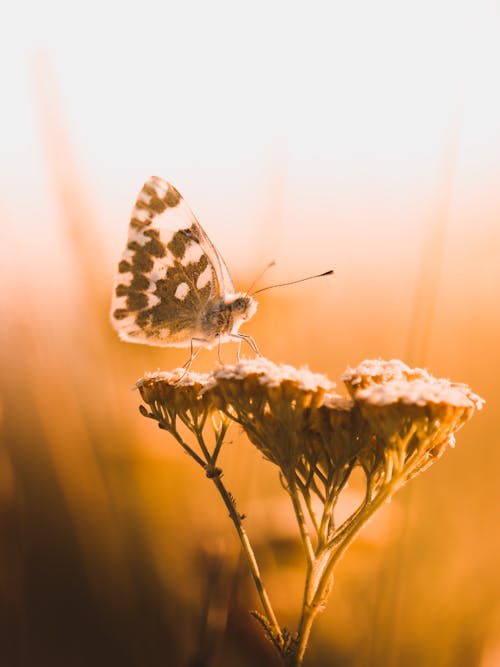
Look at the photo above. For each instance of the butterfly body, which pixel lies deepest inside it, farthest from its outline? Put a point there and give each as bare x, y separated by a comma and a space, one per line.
223, 318
172, 285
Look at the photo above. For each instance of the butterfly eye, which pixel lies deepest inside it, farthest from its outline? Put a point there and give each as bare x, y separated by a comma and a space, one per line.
240, 305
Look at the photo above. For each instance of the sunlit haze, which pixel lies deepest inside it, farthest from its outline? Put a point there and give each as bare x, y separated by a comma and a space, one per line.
336, 116
360, 136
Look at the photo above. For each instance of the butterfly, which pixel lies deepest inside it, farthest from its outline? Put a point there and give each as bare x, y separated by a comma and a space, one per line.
173, 288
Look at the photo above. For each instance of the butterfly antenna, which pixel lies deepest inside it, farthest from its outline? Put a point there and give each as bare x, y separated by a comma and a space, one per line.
294, 282
268, 266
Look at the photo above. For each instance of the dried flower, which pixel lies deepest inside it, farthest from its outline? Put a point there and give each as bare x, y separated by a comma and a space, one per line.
412, 414
330, 432
176, 394
379, 371
395, 423
272, 403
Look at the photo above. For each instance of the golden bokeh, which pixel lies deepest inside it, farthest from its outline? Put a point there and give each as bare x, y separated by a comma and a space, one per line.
360, 138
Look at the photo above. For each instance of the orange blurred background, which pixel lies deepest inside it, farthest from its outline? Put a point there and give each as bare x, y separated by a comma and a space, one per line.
360, 136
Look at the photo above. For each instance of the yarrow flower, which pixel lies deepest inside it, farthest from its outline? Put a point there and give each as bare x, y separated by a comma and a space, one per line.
272, 403
413, 414
175, 394
394, 422
379, 371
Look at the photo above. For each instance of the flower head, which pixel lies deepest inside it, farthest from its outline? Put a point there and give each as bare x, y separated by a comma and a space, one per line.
175, 394
397, 420
413, 414
379, 371
272, 402
331, 443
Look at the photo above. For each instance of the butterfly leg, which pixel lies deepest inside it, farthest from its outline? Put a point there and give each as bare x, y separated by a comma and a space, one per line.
248, 339
219, 356
194, 353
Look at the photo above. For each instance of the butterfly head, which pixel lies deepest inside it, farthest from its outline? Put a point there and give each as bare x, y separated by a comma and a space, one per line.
242, 306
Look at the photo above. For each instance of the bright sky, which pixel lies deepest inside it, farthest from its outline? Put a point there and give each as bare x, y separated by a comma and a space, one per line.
317, 113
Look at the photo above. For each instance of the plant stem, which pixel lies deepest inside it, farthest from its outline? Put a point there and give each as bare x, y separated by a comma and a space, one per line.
311, 605
319, 574
252, 561
339, 547
296, 658
304, 533
275, 631
187, 448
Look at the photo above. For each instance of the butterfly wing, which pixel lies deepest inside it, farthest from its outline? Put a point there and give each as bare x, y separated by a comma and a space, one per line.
169, 271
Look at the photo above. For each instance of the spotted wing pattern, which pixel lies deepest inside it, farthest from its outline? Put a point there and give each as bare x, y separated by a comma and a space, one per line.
169, 273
